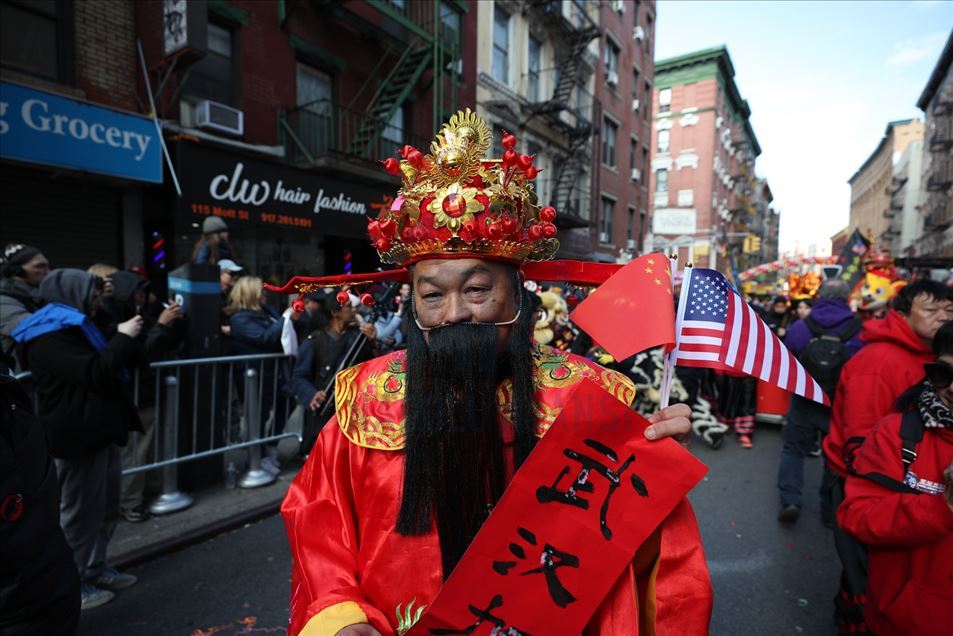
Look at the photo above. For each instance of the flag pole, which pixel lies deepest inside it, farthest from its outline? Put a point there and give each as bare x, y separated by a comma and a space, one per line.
669, 370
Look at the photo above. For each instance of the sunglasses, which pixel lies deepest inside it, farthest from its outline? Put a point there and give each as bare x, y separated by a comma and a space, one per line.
939, 374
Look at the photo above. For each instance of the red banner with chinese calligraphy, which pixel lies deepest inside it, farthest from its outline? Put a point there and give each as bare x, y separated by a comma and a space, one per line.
571, 520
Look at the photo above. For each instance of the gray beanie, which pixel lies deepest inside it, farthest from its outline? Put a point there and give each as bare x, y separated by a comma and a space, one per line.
213, 224
15, 254
72, 287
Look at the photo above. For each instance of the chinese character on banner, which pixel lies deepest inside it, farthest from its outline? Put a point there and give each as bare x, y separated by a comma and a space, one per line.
543, 530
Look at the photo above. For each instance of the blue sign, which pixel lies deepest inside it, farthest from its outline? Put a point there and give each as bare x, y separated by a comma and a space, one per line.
49, 129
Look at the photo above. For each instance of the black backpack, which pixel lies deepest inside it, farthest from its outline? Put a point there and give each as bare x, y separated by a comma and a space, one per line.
826, 354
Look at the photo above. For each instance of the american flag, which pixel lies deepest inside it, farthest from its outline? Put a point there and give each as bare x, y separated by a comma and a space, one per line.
716, 328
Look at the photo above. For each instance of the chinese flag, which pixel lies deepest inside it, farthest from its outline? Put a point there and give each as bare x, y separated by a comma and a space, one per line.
632, 311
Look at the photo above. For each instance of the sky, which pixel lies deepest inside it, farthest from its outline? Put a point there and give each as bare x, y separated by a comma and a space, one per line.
822, 79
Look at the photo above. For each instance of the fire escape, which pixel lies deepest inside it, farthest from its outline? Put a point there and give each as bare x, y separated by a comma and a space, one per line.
569, 109
940, 182
421, 52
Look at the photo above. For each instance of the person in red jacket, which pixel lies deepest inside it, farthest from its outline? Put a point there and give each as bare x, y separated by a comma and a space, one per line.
900, 504
896, 347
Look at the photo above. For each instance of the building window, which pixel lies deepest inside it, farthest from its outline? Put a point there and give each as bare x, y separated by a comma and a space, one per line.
661, 180
664, 136
605, 220
534, 56
686, 198
630, 225
450, 26
609, 132
633, 153
501, 45
645, 158
36, 38
665, 100
612, 62
392, 137
649, 29
213, 77
314, 125
635, 83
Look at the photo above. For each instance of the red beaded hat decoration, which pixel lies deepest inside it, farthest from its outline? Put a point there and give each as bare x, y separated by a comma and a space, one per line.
457, 203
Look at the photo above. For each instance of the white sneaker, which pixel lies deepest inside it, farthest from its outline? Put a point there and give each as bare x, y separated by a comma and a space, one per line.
93, 596
270, 466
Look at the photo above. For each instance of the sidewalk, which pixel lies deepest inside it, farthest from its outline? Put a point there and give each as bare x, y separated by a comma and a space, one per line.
214, 511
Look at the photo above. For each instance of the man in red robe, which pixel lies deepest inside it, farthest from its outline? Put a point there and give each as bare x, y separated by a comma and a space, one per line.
425, 441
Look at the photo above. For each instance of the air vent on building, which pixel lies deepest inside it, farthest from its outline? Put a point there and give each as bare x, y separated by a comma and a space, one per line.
638, 33
635, 105
636, 174
220, 118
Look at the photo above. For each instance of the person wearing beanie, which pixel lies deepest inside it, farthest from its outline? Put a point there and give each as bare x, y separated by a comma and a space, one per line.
22, 267
213, 246
86, 415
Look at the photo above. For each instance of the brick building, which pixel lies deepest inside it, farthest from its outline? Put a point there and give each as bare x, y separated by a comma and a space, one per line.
872, 186
705, 194
301, 100
936, 181
66, 68
623, 92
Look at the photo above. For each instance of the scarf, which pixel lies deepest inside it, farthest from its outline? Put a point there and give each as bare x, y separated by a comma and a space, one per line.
56, 317
935, 413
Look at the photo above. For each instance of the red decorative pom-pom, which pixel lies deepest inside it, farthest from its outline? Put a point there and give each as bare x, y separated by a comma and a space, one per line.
367, 300
494, 231
420, 233
547, 214
416, 158
549, 230
388, 227
343, 298
509, 141
382, 244
532, 172
510, 158
374, 230
509, 224
297, 305
407, 234
406, 150
392, 166
524, 162
535, 233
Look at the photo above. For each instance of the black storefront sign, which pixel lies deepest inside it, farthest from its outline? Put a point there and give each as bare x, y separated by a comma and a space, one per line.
244, 190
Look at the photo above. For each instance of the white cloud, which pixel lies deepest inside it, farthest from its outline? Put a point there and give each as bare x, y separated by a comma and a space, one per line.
926, 47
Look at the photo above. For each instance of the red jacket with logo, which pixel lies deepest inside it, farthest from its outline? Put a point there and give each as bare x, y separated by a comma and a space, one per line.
890, 363
909, 536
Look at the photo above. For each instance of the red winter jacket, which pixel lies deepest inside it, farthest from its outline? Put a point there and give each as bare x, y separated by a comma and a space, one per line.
909, 536
890, 363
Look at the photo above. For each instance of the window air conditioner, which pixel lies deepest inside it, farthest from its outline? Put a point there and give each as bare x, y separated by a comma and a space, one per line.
619, 5
220, 118
638, 33
603, 237
635, 105
612, 77
630, 244
636, 174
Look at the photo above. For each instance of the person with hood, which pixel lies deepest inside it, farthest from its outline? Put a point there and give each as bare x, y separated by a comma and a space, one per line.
831, 328
87, 417
899, 503
22, 268
895, 349
39, 585
159, 337
213, 247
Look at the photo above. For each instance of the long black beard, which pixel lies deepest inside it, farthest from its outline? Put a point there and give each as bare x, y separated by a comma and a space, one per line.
454, 462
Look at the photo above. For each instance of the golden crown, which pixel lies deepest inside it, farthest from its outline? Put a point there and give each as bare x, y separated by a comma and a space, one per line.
455, 202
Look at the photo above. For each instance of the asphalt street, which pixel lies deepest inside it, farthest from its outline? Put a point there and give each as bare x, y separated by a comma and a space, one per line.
768, 579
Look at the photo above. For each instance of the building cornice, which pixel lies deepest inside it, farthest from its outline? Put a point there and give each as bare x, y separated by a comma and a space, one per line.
888, 134
936, 77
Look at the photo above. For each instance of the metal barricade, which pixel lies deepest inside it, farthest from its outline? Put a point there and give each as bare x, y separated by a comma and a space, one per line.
204, 407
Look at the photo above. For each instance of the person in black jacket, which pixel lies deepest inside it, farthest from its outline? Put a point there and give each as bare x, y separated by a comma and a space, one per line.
255, 329
86, 414
159, 337
39, 585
